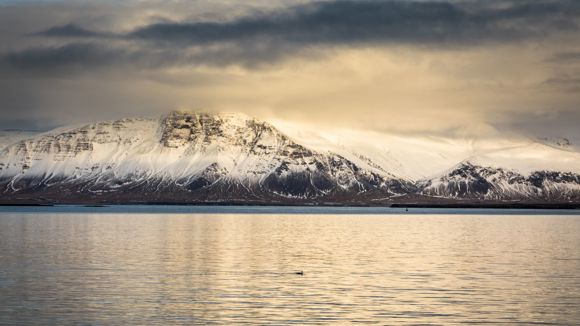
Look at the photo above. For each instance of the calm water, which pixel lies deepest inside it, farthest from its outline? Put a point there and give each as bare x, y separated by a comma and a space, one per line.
71, 266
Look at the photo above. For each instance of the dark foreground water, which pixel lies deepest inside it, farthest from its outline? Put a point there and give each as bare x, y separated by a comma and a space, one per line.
82, 266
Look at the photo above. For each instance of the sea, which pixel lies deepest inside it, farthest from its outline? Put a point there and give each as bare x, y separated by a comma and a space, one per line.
236, 265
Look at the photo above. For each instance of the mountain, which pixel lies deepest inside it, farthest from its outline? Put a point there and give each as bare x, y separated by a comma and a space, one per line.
532, 171
188, 157
185, 157
470, 181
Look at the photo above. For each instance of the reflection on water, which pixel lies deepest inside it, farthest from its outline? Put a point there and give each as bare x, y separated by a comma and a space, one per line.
145, 269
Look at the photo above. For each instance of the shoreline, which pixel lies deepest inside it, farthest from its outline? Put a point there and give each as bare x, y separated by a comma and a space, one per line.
425, 205
403, 206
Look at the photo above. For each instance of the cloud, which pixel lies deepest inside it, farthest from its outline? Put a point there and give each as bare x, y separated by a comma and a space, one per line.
261, 39
69, 30
62, 60
565, 57
564, 82
82, 58
373, 22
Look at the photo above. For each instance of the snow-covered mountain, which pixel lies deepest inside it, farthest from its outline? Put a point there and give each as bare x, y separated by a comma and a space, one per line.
186, 157
530, 171
487, 183
191, 157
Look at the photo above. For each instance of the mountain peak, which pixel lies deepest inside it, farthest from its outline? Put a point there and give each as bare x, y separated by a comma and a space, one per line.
181, 128
223, 115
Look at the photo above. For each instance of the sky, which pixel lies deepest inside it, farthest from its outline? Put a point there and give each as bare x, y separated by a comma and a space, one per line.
471, 68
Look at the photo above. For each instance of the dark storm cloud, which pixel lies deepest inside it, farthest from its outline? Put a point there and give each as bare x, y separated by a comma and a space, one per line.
66, 58
75, 58
261, 39
382, 22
